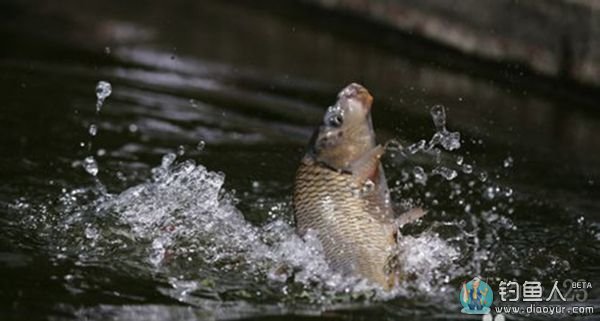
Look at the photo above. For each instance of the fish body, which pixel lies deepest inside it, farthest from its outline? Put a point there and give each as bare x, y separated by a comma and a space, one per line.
340, 192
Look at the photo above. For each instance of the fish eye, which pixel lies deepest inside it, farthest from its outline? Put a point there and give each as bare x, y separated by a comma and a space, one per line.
335, 120
334, 117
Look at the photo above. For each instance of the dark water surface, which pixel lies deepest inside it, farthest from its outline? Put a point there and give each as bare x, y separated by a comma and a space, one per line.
210, 235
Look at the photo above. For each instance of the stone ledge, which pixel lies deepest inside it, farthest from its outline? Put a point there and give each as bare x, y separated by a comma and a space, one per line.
557, 38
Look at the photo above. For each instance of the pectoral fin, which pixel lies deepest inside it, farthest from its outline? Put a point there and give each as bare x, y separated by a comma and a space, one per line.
367, 166
410, 216
368, 173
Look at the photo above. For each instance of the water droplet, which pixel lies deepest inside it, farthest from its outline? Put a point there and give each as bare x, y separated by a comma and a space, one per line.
438, 113
91, 233
447, 173
468, 208
368, 186
459, 160
255, 184
107, 50
450, 140
181, 150
167, 160
393, 145
193, 103
508, 162
420, 175
416, 147
101, 152
467, 168
201, 145
132, 128
103, 90
438, 155
121, 176
158, 173
489, 193
90, 165
483, 176
93, 130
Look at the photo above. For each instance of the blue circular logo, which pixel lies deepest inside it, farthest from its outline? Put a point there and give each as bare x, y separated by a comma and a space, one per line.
476, 297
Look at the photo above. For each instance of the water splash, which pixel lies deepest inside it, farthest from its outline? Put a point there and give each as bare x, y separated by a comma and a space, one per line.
184, 225
445, 172
480, 208
449, 140
442, 137
183, 214
428, 260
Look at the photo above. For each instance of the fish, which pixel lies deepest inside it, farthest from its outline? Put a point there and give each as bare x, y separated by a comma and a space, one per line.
341, 193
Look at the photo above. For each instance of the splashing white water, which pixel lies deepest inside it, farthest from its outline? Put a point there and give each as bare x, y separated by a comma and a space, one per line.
188, 225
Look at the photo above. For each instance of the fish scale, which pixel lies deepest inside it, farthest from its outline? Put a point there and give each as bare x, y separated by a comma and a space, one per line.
354, 241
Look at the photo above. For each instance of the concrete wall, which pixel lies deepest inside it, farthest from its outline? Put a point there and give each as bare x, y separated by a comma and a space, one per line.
559, 38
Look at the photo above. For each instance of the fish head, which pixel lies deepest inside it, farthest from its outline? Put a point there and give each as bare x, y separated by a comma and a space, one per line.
347, 130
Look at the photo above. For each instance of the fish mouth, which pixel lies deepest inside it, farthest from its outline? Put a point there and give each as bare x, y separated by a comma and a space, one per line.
359, 93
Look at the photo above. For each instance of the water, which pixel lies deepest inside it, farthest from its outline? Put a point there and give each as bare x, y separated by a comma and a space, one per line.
90, 165
181, 208
103, 90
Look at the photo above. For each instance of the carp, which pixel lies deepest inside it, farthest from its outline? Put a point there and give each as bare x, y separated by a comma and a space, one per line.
340, 192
